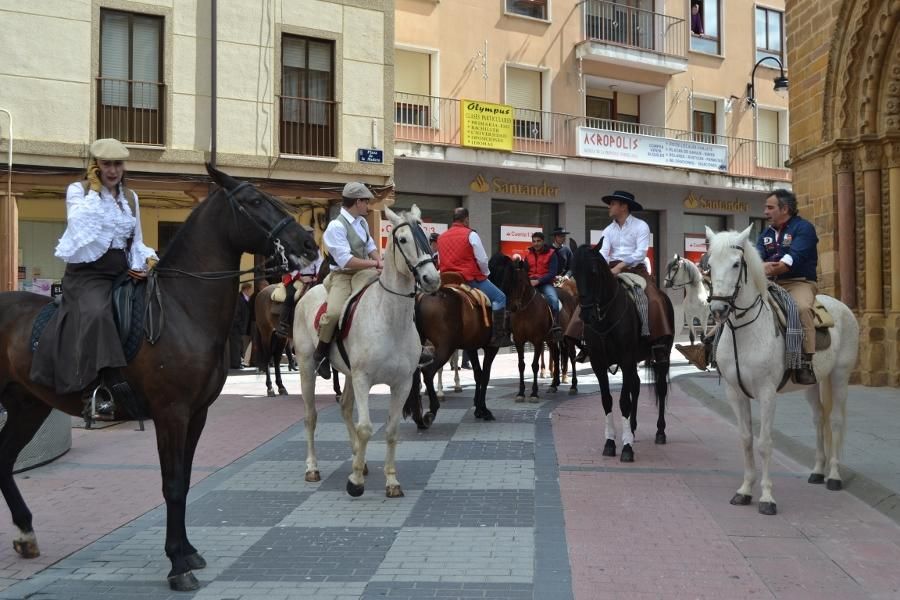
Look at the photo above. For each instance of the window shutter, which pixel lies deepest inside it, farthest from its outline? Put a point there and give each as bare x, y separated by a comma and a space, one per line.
523, 88
767, 127
293, 53
114, 59
705, 105
145, 63
412, 72
319, 56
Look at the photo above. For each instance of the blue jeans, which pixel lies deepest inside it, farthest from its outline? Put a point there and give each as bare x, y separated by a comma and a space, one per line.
549, 292
494, 294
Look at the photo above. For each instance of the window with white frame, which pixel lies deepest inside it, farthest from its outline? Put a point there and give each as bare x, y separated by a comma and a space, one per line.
536, 9
523, 92
412, 84
130, 83
704, 120
769, 34
706, 26
771, 138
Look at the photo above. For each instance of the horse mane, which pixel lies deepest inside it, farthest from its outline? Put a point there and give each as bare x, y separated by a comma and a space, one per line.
692, 267
180, 235
724, 240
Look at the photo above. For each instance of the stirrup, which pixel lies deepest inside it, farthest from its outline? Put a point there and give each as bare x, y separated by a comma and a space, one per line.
323, 368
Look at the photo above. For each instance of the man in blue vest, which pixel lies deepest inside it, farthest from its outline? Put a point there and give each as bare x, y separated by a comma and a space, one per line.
788, 248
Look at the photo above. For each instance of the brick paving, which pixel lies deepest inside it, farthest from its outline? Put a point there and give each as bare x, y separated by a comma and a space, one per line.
525, 507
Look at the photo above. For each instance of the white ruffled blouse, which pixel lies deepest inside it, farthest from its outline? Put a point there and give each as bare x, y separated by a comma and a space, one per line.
97, 222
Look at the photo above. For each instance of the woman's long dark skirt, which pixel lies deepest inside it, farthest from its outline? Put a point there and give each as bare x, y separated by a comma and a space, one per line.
81, 338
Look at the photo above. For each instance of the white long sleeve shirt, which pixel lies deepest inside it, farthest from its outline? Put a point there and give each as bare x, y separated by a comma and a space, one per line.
627, 243
97, 222
335, 238
480, 255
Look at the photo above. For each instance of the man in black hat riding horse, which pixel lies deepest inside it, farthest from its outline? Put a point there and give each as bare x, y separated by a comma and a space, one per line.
563, 252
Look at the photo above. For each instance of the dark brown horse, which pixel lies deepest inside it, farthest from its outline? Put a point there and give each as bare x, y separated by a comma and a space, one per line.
450, 323
612, 336
530, 318
179, 375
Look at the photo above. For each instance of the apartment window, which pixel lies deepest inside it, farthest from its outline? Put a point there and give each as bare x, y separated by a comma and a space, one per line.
771, 151
769, 34
307, 97
537, 9
523, 91
613, 111
704, 121
413, 88
130, 88
708, 40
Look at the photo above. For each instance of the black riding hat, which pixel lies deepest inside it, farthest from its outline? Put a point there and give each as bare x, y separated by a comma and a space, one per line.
559, 231
626, 197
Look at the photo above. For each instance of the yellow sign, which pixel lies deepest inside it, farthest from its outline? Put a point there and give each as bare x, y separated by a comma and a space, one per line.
693, 202
502, 186
486, 125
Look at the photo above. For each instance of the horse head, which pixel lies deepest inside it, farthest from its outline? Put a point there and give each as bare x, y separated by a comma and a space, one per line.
264, 224
592, 274
734, 265
410, 242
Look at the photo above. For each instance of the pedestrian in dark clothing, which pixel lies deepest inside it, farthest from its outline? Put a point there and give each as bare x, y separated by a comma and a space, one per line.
240, 328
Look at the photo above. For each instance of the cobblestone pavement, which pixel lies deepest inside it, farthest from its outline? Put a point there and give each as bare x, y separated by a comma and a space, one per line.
524, 507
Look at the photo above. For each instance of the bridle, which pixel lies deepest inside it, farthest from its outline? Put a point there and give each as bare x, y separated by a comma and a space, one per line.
425, 258
600, 313
669, 281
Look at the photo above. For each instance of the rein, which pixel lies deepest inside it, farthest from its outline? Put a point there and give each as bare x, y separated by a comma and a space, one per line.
602, 312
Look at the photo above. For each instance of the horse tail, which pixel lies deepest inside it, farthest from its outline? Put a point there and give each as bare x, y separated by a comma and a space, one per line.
262, 353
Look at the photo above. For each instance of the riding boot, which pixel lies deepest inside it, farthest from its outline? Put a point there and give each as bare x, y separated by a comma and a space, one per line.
805, 375
500, 321
286, 323
555, 329
320, 359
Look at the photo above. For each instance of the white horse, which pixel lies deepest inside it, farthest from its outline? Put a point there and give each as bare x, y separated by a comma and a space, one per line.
682, 274
751, 359
382, 347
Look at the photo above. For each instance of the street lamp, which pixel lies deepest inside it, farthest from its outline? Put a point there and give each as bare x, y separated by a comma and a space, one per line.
781, 82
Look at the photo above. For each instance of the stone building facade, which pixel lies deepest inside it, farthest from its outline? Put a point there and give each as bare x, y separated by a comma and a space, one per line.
845, 55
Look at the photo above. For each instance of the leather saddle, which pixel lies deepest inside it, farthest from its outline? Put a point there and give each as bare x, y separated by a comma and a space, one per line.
453, 283
823, 321
128, 302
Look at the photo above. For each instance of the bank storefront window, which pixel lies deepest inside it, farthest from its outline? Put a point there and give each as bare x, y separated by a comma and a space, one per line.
543, 215
596, 218
694, 228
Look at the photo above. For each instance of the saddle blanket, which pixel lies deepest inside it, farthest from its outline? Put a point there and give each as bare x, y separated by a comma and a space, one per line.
823, 322
349, 312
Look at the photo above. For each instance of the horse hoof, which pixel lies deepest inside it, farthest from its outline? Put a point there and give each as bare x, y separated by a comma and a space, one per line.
816, 478
393, 491
428, 419
660, 437
312, 476
337, 397
458, 389
565, 379
439, 396
543, 375
573, 391
627, 454
195, 561
270, 393
282, 391
834, 485
767, 508
488, 416
551, 389
26, 548
183, 582
610, 448
520, 398
533, 399
741, 500
355, 490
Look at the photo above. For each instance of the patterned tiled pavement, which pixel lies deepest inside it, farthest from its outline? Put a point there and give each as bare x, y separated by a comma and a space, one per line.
524, 507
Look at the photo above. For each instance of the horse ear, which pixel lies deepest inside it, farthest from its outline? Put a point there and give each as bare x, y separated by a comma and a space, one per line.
572, 245
675, 257
598, 245
709, 235
394, 217
226, 181
414, 211
745, 234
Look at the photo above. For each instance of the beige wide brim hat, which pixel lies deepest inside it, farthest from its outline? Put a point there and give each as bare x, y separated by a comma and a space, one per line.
109, 149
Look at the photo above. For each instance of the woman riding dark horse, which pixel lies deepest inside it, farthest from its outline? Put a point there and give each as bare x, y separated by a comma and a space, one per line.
180, 372
612, 335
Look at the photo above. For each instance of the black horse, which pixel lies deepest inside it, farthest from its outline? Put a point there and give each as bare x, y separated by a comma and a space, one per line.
180, 375
612, 335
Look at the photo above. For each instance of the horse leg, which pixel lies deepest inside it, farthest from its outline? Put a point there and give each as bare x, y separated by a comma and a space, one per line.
24, 417
273, 343
520, 350
534, 375
336, 385
195, 428
564, 361
434, 403
609, 447
835, 386
815, 404
392, 484
308, 391
691, 329
741, 406
661, 391
440, 384
573, 352
766, 420
541, 353
554, 366
454, 364
631, 385
276, 357
171, 440
356, 483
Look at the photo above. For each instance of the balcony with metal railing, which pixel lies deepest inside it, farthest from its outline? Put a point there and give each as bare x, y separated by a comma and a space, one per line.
131, 111
632, 37
437, 121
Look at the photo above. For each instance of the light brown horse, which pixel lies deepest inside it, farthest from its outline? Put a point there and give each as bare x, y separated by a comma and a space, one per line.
530, 317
